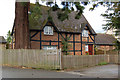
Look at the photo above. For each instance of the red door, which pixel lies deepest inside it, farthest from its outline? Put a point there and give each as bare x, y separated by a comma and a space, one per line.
90, 49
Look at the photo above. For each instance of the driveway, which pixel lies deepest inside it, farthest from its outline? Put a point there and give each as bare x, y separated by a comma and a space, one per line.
106, 71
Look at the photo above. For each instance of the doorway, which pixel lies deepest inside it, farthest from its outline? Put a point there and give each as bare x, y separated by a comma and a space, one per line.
90, 49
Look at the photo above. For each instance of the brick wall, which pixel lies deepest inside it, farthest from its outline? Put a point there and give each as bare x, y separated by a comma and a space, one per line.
105, 47
54, 37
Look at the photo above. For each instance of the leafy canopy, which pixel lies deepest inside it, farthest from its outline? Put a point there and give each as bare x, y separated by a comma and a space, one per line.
9, 37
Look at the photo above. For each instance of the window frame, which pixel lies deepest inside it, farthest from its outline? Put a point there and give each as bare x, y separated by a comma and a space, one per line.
85, 33
47, 30
86, 46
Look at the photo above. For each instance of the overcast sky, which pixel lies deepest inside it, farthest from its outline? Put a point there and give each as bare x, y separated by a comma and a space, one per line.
7, 15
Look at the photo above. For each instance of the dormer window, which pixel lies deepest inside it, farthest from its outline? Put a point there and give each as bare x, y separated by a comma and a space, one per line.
48, 30
85, 33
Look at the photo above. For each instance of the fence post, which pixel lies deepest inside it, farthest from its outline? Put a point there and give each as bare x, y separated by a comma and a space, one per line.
60, 60
108, 58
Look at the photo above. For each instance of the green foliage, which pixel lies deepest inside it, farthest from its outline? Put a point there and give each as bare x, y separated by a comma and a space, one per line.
25, 4
50, 18
65, 46
62, 16
79, 9
117, 45
103, 63
87, 53
78, 16
113, 20
9, 37
67, 8
49, 3
34, 14
72, 8
55, 7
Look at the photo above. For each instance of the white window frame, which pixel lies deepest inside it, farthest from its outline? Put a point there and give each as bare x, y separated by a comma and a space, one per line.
85, 33
48, 30
86, 47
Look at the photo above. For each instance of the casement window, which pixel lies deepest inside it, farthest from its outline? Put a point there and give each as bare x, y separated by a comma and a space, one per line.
49, 47
85, 33
86, 47
48, 30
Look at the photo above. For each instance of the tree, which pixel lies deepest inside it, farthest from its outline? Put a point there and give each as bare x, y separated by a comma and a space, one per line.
9, 39
113, 17
22, 39
113, 20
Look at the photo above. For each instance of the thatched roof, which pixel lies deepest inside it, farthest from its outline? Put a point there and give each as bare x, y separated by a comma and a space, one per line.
104, 39
2, 40
68, 25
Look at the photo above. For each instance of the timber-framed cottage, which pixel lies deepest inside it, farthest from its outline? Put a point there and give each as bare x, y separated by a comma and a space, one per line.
50, 34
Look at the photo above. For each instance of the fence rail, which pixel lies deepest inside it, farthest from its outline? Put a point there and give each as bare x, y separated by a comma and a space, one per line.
71, 61
52, 59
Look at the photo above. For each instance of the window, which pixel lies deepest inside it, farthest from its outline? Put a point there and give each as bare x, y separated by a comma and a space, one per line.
85, 33
49, 47
48, 30
86, 47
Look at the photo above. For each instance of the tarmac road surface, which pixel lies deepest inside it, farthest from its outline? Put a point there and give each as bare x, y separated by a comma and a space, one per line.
105, 71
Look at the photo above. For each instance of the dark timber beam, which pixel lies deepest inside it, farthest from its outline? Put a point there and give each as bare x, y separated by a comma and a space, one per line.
40, 40
50, 43
81, 43
94, 44
66, 41
58, 42
34, 34
30, 38
73, 50
43, 40
62, 36
70, 35
74, 43
88, 39
91, 37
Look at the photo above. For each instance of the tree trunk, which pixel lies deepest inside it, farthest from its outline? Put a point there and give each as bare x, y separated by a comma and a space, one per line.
22, 36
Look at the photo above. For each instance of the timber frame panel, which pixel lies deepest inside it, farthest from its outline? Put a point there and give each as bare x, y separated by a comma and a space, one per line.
65, 38
60, 34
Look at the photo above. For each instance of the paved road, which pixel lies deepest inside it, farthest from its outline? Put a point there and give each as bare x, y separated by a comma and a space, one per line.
34, 73
106, 71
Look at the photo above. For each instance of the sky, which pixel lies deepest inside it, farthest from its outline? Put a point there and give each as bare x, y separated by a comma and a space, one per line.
7, 15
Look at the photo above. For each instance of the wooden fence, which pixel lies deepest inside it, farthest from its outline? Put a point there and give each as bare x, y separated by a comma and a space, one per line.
52, 59
77, 62
46, 59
